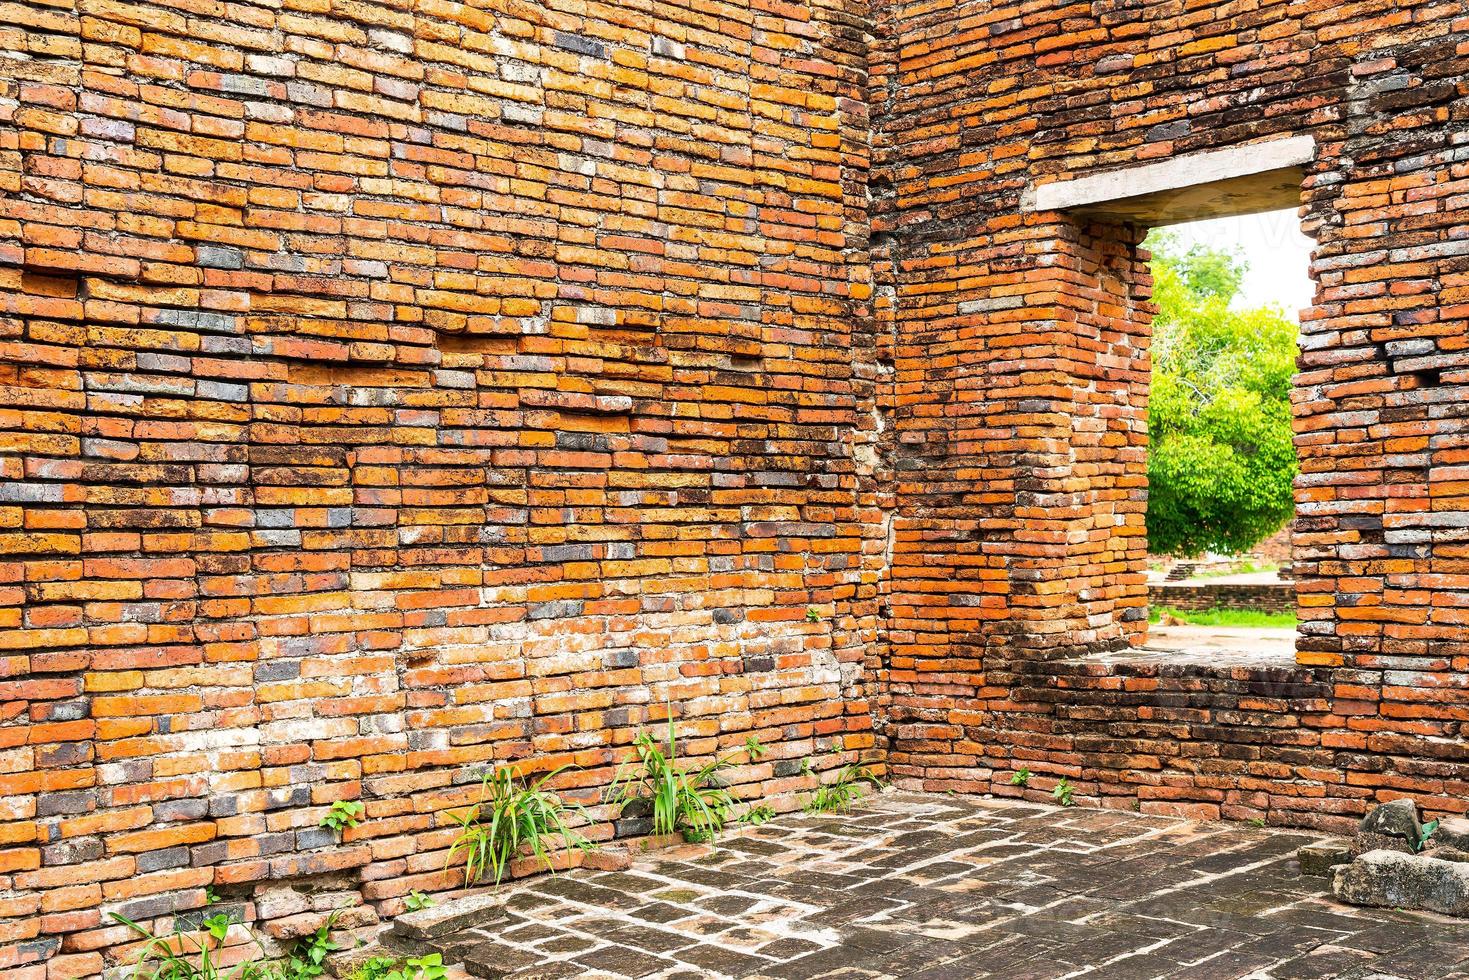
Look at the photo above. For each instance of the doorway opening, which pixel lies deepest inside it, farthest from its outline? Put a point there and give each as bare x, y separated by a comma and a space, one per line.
1222, 462
1256, 188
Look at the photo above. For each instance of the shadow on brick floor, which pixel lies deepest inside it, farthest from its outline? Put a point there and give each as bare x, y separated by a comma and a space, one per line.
939, 888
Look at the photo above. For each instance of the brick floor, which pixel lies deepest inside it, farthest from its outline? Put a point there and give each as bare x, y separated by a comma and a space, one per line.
939, 888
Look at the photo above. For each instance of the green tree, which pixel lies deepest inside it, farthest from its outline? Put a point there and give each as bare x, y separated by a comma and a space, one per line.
1221, 461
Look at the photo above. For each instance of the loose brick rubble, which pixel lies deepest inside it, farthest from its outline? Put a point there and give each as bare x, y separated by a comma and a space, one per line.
390, 389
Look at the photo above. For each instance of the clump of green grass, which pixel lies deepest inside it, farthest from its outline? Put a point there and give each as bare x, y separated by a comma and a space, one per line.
839, 795
1252, 618
694, 802
512, 815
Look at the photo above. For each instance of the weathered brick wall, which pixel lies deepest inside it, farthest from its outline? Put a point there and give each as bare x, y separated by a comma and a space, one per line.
1013, 533
1278, 597
1218, 738
388, 390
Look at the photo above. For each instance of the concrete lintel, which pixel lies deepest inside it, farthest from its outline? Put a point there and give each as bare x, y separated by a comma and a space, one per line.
1242, 179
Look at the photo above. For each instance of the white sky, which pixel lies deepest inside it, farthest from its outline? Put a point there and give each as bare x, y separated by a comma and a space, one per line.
1278, 253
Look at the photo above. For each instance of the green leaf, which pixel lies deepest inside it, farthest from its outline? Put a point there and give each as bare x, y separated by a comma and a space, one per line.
1423, 837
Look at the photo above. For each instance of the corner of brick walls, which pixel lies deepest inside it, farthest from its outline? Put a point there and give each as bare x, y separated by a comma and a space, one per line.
387, 394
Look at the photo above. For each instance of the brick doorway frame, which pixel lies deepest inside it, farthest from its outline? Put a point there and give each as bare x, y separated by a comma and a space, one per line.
1123, 204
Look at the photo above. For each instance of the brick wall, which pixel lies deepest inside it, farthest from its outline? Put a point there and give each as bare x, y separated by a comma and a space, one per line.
1020, 343
1206, 736
388, 391
1278, 597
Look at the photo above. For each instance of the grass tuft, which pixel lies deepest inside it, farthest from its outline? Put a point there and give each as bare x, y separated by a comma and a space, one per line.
1226, 617
510, 816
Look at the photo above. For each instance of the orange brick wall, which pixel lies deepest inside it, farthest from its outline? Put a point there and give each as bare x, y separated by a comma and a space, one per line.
1020, 349
391, 390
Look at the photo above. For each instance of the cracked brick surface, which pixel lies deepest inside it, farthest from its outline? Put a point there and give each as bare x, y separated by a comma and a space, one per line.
942, 888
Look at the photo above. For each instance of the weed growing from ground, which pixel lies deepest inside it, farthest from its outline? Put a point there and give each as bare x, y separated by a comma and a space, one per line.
693, 802
511, 815
839, 794
1062, 793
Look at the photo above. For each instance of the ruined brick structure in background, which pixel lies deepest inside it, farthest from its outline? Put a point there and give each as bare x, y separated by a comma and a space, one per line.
1270, 597
388, 390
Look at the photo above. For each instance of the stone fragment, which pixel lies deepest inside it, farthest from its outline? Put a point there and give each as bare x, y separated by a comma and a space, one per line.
1452, 832
658, 842
280, 902
614, 858
461, 913
1389, 879
1448, 854
1318, 859
1398, 818
1362, 843
493, 960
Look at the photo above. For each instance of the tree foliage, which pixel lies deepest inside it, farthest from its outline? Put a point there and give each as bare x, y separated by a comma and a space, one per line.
1221, 461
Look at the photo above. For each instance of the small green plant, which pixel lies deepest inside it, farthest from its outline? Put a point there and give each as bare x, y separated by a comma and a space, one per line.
1021, 778
376, 968
430, 966
210, 895
427, 967
693, 802
308, 958
181, 956
417, 901
757, 815
1257, 821
1062, 793
839, 794
813, 615
1424, 837
343, 814
511, 815
217, 925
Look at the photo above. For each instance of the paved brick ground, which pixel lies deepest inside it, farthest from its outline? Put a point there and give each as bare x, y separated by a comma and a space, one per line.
934, 888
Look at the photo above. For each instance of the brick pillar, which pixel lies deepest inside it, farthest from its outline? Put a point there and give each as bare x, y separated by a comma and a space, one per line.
1381, 546
1021, 451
